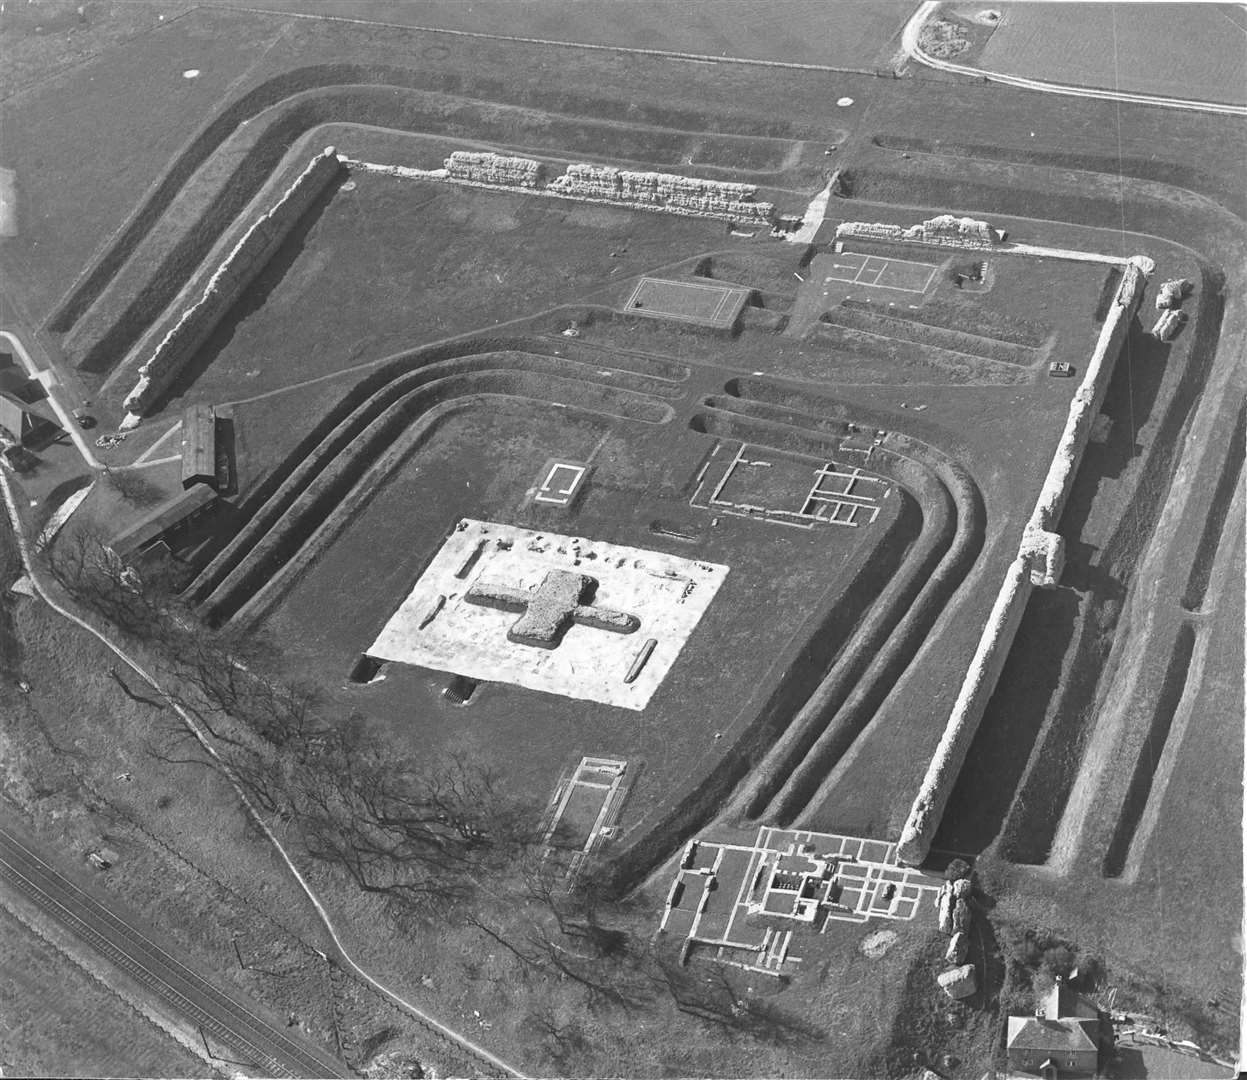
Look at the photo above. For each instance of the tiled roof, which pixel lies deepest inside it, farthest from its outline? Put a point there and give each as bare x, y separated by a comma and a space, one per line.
1054, 1036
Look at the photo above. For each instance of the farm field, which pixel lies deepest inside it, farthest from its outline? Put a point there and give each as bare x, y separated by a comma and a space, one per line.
1131, 47
852, 34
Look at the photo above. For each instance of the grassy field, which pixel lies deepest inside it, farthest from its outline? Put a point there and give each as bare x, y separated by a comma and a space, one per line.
391, 264
54, 244
744, 99
855, 35
1132, 49
59, 1021
39, 40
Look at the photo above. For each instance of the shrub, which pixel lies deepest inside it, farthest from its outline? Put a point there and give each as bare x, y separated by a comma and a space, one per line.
957, 869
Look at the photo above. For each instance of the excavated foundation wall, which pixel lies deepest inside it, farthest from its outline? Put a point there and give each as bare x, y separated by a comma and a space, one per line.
240, 268
1038, 563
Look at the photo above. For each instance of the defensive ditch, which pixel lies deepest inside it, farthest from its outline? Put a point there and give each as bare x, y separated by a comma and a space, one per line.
1171, 690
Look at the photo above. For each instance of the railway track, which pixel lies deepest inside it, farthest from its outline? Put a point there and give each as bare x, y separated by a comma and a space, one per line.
249, 1037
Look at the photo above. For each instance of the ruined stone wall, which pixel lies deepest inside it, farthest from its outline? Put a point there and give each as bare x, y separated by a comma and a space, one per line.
239, 268
714, 198
491, 168
944, 229
1038, 563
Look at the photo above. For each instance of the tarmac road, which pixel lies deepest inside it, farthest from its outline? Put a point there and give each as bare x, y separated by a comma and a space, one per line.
183, 992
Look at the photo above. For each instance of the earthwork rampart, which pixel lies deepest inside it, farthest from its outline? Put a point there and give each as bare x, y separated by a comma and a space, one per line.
240, 268
934, 538
395, 409
1038, 563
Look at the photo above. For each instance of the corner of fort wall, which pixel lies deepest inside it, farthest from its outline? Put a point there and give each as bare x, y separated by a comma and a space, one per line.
238, 270
1038, 562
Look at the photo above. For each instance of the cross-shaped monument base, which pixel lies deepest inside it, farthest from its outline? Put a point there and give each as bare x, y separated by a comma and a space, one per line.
451, 621
562, 598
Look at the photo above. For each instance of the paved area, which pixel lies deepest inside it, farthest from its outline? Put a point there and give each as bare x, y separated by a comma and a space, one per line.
449, 623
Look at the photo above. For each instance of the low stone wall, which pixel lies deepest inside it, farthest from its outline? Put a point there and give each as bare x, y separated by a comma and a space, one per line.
239, 269
1038, 563
944, 230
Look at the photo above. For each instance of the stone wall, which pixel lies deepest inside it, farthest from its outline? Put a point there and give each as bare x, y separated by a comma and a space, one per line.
1038, 562
238, 270
491, 168
944, 230
714, 198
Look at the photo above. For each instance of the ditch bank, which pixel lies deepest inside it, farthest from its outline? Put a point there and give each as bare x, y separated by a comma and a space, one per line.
1040, 561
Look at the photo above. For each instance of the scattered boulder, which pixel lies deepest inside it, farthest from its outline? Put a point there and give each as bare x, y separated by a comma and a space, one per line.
958, 947
961, 916
944, 906
1172, 293
1168, 325
962, 888
959, 982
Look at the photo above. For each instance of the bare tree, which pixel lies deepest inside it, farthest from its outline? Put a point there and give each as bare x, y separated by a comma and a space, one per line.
134, 487
422, 837
92, 574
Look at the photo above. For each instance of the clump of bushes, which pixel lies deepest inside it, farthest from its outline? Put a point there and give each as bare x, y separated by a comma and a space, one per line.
1036, 958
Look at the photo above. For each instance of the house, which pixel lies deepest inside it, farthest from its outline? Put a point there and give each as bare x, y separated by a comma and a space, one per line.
1068, 1037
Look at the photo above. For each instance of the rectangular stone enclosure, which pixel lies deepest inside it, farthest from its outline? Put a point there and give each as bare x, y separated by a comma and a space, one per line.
716, 306
565, 615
